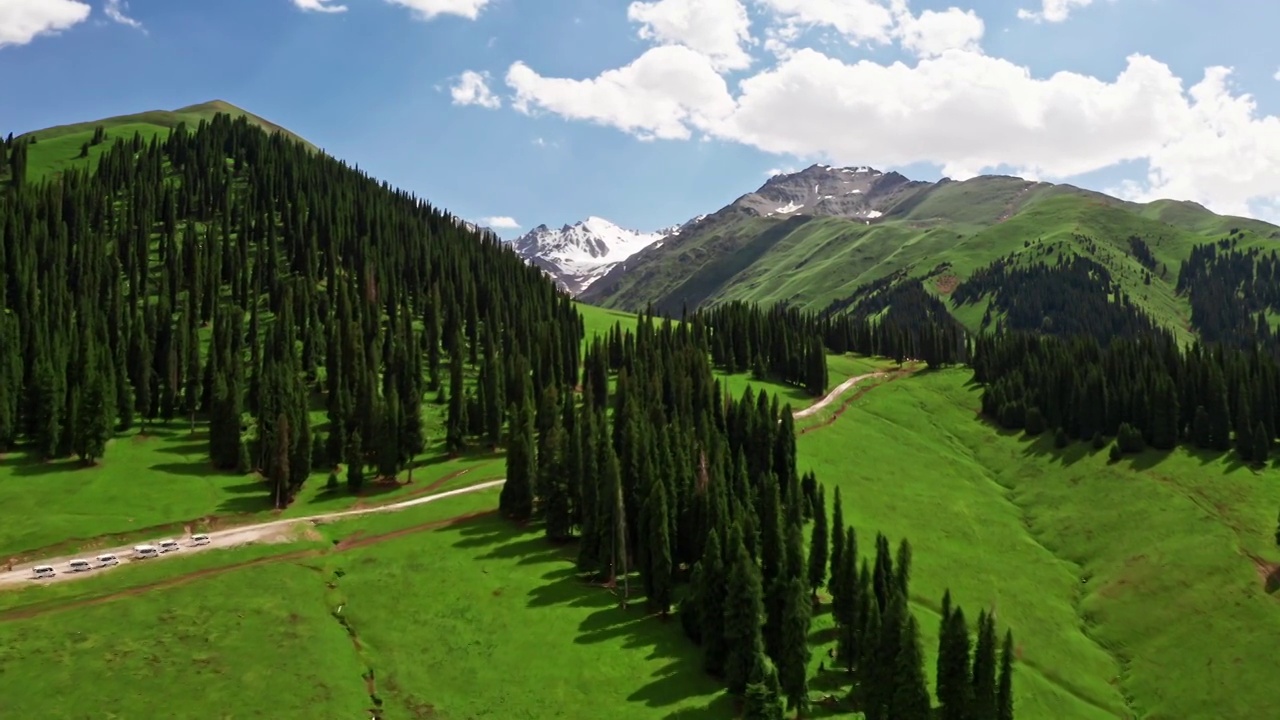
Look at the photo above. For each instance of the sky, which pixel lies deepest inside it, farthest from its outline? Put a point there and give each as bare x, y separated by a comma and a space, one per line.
514, 113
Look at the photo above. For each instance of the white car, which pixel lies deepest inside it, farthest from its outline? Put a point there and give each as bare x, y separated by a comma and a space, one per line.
168, 546
142, 552
79, 566
43, 571
201, 539
108, 560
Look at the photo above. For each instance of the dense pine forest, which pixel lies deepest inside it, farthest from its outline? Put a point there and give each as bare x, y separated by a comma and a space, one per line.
699, 494
225, 274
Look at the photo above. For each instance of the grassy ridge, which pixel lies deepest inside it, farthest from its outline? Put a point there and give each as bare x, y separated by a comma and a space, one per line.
57, 149
962, 226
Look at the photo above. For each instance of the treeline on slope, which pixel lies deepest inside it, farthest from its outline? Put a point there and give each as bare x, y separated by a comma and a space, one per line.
1069, 297
313, 285
1231, 292
789, 345
1142, 391
668, 477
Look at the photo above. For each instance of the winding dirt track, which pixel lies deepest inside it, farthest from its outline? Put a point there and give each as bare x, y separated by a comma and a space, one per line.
836, 392
274, 531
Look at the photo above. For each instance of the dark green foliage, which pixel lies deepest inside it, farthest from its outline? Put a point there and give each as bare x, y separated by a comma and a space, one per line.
954, 678
743, 610
308, 277
658, 579
762, 699
984, 669
910, 700
516, 498
819, 545
794, 658
1004, 686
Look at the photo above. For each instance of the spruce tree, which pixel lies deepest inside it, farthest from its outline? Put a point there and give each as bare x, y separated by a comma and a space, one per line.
793, 664
837, 536
818, 546
984, 669
1261, 444
954, 682
659, 578
762, 699
1004, 688
743, 610
516, 498
712, 613
910, 700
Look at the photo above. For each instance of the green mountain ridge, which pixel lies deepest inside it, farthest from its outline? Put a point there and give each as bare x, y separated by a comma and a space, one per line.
56, 149
940, 233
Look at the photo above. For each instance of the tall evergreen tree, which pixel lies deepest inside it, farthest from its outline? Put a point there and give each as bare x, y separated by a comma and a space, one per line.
818, 546
743, 610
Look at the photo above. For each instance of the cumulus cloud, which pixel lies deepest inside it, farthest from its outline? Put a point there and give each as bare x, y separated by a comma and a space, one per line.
321, 6
499, 222
473, 89
661, 95
21, 21
954, 107
429, 9
717, 29
1054, 11
116, 9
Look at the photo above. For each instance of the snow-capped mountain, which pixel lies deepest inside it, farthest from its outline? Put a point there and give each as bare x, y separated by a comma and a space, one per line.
579, 254
853, 192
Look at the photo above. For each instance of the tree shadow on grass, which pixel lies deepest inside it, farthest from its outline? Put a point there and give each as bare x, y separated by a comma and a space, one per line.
195, 447
194, 468
27, 465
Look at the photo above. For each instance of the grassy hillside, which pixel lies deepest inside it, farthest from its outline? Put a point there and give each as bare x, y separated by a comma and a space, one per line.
1160, 614
943, 234
57, 149
1117, 612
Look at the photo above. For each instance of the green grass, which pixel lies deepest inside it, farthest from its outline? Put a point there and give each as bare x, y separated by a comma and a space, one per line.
253, 643
460, 622
1173, 621
151, 485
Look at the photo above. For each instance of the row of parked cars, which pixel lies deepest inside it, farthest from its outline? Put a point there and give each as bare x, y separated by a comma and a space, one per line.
140, 552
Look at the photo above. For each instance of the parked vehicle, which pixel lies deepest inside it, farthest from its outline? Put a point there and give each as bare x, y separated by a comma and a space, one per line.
108, 560
43, 571
79, 566
201, 539
143, 552
168, 545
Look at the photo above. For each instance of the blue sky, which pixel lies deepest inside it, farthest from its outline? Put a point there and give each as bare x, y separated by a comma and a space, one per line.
701, 98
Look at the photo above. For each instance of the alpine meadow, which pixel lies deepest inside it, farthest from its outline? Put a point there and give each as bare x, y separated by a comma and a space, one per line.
283, 439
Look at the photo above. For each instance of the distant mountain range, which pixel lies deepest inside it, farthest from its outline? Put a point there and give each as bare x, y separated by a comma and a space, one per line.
579, 254
823, 237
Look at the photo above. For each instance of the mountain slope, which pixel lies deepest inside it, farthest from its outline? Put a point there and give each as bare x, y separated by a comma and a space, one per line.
577, 255
827, 244
62, 147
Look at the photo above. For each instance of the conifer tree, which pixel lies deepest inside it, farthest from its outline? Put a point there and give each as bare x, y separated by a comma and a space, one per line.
1004, 688
762, 699
355, 461
910, 699
984, 669
793, 665
516, 498
658, 574
712, 613
743, 609
837, 535
456, 424
1261, 444
818, 546
954, 682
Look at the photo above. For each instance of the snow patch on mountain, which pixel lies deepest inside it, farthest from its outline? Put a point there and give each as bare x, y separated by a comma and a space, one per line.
579, 254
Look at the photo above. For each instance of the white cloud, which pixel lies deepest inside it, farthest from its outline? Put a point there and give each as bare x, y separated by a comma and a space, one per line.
661, 94
321, 6
499, 222
22, 20
429, 9
716, 28
1277, 75
473, 89
954, 107
116, 9
779, 171
1053, 11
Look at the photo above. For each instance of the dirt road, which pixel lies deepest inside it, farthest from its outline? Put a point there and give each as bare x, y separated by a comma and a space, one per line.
274, 531
835, 393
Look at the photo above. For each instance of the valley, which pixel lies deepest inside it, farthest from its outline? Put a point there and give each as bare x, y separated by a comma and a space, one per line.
447, 477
